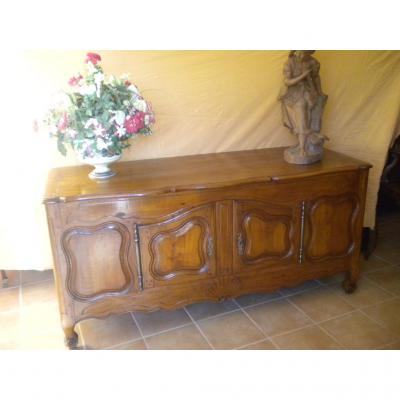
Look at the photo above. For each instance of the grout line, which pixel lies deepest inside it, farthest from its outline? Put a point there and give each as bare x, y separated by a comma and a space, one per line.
378, 286
360, 309
167, 330
36, 283
255, 342
254, 322
122, 343
215, 316
317, 324
380, 324
140, 330
390, 263
198, 327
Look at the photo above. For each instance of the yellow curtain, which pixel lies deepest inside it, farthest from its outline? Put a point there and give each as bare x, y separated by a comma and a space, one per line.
204, 101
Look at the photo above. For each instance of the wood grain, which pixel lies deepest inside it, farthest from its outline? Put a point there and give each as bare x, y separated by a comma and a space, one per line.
169, 232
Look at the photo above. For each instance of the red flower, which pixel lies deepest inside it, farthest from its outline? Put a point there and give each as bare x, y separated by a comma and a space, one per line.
75, 80
63, 123
93, 58
134, 123
127, 83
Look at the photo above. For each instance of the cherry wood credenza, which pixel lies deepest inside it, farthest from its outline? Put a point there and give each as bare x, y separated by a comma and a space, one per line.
167, 232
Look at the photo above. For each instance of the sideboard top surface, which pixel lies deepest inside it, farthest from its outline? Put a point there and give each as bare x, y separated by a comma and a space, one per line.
165, 175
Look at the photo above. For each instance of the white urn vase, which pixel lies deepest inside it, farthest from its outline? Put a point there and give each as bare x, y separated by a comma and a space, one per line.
101, 170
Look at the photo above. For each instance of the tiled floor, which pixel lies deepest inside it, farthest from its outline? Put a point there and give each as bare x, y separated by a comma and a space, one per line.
315, 315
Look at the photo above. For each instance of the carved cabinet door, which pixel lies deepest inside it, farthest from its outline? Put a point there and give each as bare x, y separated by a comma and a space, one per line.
329, 228
265, 235
179, 249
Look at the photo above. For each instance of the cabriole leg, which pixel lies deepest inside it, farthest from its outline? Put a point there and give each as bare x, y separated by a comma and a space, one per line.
350, 282
71, 337
4, 279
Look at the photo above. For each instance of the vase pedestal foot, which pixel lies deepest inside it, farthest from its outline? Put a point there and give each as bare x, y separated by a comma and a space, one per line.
99, 176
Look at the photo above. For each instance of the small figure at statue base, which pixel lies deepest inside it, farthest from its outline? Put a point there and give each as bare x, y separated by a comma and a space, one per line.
303, 103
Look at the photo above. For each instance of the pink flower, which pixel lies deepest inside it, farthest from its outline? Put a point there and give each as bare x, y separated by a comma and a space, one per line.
134, 123
63, 123
75, 80
93, 58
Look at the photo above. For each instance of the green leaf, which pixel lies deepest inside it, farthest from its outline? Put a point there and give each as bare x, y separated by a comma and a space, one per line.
61, 148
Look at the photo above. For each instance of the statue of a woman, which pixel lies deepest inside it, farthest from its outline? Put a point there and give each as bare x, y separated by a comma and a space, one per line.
303, 103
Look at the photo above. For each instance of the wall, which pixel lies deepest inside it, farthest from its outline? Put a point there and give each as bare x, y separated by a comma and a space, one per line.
205, 101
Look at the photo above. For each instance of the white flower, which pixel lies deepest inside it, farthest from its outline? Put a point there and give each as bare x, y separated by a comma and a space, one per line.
100, 144
98, 78
121, 131
91, 68
119, 117
99, 130
71, 133
111, 80
91, 122
126, 103
147, 119
124, 77
140, 105
133, 88
87, 90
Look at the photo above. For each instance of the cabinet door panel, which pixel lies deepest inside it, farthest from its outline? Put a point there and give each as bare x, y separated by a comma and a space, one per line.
329, 228
97, 261
179, 249
266, 234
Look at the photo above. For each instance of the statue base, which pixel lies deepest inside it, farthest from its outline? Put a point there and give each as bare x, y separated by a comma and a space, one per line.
293, 155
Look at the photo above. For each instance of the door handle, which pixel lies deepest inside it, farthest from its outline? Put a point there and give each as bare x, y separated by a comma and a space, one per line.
210, 247
240, 244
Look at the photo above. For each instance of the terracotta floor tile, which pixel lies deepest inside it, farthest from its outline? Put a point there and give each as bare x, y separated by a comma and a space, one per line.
31, 276
256, 298
366, 294
356, 331
299, 288
230, 330
13, 279
388, 278
41, 327
185, 338
9, 299
387, 313
277, 316
200, 311
110, 331
389, 250
157, 321
320, 304
132, 345
9, 330
38, 292
330, 280
372, 264
264, 345
310, 338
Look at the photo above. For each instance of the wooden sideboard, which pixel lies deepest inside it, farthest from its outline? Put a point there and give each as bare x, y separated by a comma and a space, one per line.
167, 232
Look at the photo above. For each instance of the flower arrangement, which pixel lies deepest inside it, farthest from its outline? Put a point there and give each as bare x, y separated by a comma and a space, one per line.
100, 114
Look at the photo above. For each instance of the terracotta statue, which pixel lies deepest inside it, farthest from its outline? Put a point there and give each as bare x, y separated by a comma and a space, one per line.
303, 103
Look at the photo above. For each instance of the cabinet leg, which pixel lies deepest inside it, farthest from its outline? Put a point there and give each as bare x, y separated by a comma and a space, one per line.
350, 283
4, 279
71, 338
